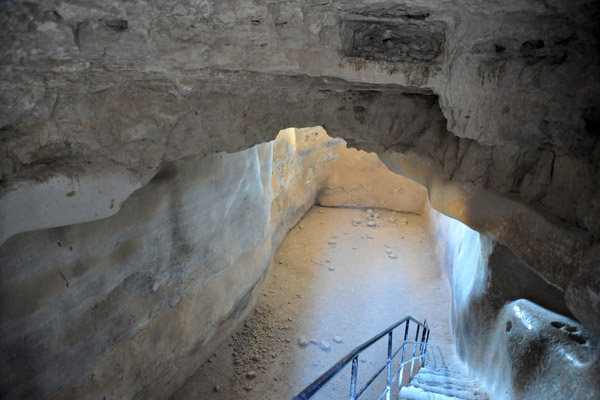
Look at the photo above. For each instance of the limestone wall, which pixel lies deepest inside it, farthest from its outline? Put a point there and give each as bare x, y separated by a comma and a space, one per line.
501, 97
502, 323
125, 306
310, 166
128, 306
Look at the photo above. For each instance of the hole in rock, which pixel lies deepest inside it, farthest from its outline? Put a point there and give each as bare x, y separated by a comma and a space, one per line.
557, 324
508, 326
571, 329
499, 48
578, 338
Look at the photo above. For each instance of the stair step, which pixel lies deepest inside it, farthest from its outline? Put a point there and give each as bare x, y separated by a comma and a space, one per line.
453, 372
462, 392
439, 379
414, 393
442, 382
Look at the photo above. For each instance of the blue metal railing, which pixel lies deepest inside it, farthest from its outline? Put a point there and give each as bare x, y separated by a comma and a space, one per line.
321, 381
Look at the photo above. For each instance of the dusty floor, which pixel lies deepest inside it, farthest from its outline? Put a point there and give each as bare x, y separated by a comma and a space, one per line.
330, 281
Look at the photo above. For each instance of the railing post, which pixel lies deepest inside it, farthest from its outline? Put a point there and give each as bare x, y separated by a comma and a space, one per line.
353, 356
401, 376
421, 347
389, 367
353, 378
426, 345
412, 361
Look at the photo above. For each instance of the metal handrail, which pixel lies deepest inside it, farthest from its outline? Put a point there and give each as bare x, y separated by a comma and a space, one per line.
321, 381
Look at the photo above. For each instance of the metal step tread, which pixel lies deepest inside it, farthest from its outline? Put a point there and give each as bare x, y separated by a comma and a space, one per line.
442, 383
414, 393
457, 372
439, 379
463, 392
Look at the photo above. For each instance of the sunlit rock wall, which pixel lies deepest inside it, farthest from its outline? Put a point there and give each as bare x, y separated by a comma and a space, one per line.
128, 306
310, 166
502, 325
83, 181
125, 306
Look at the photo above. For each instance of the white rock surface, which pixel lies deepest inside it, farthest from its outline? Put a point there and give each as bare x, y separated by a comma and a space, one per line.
517, 349
303, 341
200, 228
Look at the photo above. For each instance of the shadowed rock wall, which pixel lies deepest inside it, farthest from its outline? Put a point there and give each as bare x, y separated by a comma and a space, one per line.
502, 323
93, 84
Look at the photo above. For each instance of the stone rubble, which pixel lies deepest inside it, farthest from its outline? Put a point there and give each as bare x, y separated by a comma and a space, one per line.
324, 345
302, 341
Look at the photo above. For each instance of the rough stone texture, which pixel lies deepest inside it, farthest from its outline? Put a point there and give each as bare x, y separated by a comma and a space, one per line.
511, 343
398, 41
552, 249
582, 293
130, 305
114, 84
114, 304
310, 166
218, 113
493, 107
536, 354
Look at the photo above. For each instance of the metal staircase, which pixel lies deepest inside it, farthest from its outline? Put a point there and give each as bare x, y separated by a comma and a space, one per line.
442, 383
418, 347
435, 381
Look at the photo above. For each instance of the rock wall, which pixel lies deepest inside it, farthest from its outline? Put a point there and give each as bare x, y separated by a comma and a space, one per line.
502, 323
124, 307
118, 84
130, 305
502, 98
492, 107
222, 105
558, 253
309, 166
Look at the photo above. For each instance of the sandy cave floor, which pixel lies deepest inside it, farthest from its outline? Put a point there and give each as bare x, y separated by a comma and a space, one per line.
330, 278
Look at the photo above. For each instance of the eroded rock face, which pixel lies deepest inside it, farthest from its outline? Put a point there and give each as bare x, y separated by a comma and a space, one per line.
471, 102
546, 354
142, 288
122, 85
224, 104
503, 325
128, 85
129, 306
397, 41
